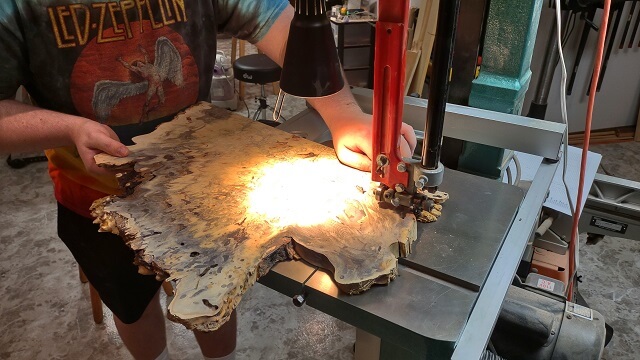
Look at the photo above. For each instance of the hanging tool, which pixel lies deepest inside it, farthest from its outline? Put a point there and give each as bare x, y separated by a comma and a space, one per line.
612, 37
627, 24
588, 25
635, 29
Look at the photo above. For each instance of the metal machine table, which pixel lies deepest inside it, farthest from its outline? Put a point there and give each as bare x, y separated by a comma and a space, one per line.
424, 311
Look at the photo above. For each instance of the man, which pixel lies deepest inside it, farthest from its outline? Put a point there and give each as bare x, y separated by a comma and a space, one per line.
105, 71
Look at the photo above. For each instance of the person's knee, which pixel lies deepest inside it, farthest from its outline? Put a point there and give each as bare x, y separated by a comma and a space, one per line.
219, 343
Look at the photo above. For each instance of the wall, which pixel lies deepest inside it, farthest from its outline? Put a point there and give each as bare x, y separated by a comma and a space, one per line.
616, 103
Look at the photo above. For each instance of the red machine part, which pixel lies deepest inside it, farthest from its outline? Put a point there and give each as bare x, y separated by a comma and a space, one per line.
388, 91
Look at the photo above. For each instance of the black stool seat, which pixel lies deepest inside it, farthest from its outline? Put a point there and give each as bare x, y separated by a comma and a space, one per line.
256, 69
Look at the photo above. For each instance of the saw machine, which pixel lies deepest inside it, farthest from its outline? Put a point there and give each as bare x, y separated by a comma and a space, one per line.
457, 294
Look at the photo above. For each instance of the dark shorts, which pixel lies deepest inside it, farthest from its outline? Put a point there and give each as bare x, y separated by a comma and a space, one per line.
108, 264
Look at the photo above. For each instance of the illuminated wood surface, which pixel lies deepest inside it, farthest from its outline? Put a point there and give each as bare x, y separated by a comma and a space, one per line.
214, 200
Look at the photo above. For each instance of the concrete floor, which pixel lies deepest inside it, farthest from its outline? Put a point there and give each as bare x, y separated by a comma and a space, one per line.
610, 269
46, 312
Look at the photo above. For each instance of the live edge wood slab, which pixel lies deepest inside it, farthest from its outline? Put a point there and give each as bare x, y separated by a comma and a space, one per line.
213, 200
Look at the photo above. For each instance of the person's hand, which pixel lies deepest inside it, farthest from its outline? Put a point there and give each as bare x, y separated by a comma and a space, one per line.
92, 138
352, 141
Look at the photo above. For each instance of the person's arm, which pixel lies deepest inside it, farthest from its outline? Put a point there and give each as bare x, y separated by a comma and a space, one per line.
349, 126
25, 128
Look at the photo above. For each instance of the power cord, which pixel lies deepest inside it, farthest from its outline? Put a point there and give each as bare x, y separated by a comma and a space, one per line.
19, 163
518, 170
563, 107
585, 148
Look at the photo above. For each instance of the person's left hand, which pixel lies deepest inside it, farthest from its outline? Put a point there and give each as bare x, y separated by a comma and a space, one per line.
352, 140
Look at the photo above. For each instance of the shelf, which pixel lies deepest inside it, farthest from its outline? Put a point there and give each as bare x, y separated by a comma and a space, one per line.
355, 68
353, 21
359, 78
356, 46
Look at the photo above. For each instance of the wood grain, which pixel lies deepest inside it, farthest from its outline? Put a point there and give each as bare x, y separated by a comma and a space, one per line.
196, 212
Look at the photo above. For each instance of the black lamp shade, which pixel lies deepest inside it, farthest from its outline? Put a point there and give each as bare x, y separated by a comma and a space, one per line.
311, 67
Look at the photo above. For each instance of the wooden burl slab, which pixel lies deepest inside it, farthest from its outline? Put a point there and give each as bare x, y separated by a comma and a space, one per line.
214, 200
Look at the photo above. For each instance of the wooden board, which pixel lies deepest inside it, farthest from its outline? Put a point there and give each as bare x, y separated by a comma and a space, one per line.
411, 25
604, 136
410, 68
421, 25
427, 23
214, 200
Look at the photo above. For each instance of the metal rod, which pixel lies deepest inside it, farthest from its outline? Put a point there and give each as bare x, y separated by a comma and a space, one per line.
635, 29
612, 38
627, 24
551, 61
538, 106
439, 83
583, 42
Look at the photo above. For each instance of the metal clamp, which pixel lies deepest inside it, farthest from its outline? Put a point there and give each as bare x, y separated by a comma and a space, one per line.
423, 178
300, 299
